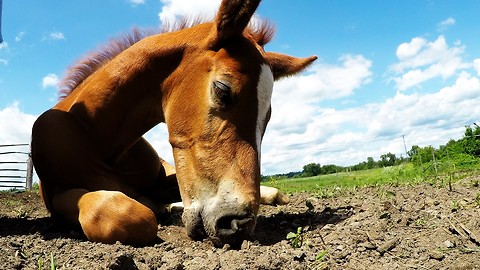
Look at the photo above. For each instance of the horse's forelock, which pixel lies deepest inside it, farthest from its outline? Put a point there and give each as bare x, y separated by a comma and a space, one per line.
262, 32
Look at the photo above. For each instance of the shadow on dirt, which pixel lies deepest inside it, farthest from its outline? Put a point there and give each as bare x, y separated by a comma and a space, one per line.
273, 229
269, 230
48, 227
23, 226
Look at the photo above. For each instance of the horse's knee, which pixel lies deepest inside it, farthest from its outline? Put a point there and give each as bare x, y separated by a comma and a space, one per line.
109, 216
65, 204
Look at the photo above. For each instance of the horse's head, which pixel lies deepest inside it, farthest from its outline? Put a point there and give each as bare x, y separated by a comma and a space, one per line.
217, 111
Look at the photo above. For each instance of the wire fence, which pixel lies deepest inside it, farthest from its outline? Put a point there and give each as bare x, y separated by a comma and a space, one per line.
16, 167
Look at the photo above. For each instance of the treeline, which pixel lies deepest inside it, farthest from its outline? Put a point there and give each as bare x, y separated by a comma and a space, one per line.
461, 152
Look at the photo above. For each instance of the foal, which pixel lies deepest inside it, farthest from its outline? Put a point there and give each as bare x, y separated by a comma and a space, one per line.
211, 84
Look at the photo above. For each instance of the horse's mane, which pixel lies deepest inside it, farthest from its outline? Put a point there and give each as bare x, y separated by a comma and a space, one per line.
261, 30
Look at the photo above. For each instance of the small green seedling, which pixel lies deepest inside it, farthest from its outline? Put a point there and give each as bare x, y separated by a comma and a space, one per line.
455, 206
53, 265
320, 256
40, 263
296, 239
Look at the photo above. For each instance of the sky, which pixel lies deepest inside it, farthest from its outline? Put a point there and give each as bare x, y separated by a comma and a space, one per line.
390, 74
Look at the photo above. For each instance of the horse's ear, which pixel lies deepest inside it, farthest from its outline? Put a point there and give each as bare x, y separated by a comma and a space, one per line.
232, 18
284, 65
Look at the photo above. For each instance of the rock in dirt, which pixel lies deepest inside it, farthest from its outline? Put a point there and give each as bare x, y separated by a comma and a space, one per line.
436, 255
448, 244
388, 245
341, 254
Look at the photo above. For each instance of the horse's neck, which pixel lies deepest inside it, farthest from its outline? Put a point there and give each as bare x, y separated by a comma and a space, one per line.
118, 103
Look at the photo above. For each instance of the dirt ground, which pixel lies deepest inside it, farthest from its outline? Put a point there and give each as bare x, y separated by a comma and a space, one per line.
386, 227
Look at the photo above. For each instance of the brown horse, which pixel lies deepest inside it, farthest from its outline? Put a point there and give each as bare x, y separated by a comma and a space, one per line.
211, 84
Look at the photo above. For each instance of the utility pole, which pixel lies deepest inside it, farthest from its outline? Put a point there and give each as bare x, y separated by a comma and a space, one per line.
405, 146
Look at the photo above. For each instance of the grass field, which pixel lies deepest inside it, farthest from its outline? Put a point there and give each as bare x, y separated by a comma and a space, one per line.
405, 174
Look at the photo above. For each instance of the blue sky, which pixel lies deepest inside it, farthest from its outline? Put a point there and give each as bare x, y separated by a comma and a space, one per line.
385, 69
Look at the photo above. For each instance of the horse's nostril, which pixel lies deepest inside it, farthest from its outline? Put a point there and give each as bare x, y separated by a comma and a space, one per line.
231, 225
240, 224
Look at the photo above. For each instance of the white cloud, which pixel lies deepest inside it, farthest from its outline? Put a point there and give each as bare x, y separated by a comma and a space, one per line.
409, 50
466, 88
19, 36
349, 136
15, 125
443, 25
137, 2
322, 82
420, 52
299, 130
421, 60
57, 36
158, 138
3, 46
51, 80
173, 9
15, 128
476, 65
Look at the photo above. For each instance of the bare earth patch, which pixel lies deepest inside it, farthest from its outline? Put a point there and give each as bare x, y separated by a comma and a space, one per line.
387, 227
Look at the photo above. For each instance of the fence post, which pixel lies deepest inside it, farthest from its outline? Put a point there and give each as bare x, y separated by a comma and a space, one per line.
29, 178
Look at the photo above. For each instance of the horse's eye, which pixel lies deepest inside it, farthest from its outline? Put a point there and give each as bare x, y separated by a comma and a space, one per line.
223, 94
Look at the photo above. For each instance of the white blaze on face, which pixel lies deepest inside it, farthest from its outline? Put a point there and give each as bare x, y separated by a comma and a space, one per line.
264, 96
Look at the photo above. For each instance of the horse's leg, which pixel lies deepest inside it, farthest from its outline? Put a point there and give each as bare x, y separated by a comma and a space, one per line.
150, 175
170, 193
272, 196
107, 216
69, 165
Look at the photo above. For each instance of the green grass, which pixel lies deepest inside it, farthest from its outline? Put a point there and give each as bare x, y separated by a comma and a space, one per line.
330, 185
371, 177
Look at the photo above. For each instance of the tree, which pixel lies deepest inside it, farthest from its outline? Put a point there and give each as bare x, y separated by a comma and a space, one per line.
387, 160
371, 163
471, 141
423, 155
330, 168
413, 152
311, 169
